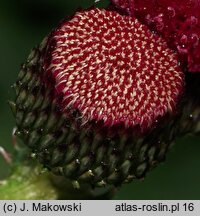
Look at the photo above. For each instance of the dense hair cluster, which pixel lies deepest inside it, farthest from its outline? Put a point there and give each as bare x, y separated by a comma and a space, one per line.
112, 68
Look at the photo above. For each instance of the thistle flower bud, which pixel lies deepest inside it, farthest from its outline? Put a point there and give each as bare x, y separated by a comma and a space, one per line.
97, 100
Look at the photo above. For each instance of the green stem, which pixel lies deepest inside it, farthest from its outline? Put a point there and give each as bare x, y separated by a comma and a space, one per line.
26, 183
29, 181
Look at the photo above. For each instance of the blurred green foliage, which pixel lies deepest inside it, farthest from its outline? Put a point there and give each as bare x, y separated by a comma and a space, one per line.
23, 24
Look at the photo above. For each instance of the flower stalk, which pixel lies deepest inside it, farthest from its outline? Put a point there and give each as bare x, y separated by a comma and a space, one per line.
30, 181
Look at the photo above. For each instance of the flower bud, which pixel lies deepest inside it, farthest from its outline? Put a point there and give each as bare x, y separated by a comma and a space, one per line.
97, 101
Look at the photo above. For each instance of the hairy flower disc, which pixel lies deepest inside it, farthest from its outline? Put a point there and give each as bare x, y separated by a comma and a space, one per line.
112, 68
